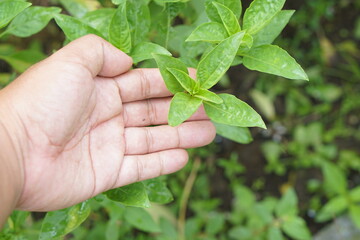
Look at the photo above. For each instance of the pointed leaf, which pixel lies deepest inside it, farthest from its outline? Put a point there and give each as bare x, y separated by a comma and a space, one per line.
334, 179
145, 50
355, 194
246, 44
73, 28
259, 13
22, 60
78, 8
130, 195
59, 223
228, 19
100, 20
296, 228
332, 209
208, 32
182, 107
184, 79
9, 9
32, 20
138, 16
213, 14
270, 32
214, 65
141, 219
355, 215
208, 96
274, 60
274, 233
164, 62
119, 31
233, 112
288, 204
158, 191
237, 134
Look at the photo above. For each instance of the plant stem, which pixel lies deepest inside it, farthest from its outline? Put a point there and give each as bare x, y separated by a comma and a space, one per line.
185, 198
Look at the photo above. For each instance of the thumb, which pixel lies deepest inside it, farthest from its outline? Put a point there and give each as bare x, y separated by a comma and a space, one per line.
95, 54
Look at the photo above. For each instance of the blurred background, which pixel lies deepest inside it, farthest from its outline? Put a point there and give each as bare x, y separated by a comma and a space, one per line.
231, 190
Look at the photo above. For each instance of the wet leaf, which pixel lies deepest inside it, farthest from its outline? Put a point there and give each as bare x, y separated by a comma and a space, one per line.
233, 112
274, 60
214, 65
61, 222
130, 195
208, 32
182, 107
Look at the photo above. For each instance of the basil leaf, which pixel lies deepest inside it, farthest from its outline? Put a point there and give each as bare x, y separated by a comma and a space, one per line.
208, 96
30, 21
165, 62
288, 204
214, 65
117, 2
274, 60
259, 13
119, 31
228, 19
296, 228
182, 107
100, 20
272, 30
9, 9
333, 208
130, 195
233, 112
158, 191
213, 14
145, 50
208, 32
138, 16
184, 79
22, 60
78, 8
59, 223
237, 134
141, 219
246, 44
73, 28
334, 179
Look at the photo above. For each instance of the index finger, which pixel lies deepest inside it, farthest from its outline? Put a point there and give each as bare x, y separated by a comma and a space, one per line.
140, 84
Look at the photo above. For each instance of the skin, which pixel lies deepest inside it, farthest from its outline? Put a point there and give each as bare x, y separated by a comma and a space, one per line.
77, 124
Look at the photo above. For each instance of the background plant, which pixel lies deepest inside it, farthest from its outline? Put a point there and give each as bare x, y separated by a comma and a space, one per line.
311, 144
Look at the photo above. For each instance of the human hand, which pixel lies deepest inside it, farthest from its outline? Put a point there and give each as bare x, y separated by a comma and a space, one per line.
78, 123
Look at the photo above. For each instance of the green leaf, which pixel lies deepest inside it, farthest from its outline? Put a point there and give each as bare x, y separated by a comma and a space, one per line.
145, 50
157, 191
288, 204
272, 30
130, 195
22, 60
164, 62
73, 28
334, 179
274, 233
212, 32
259, 13
233, 112
246, 44
214, 65
355, 215
119, 31
355, 194
117, 2
236, 134
296, 228
228, 19
184, 79
138, 16
332, 209
9, 9
59, 223
78, 8
182, 106
141, 219
208, 96
32, 20
213, 14
274, 60
100, 20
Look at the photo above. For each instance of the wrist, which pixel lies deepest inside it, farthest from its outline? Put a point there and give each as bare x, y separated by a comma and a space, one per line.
11, 164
